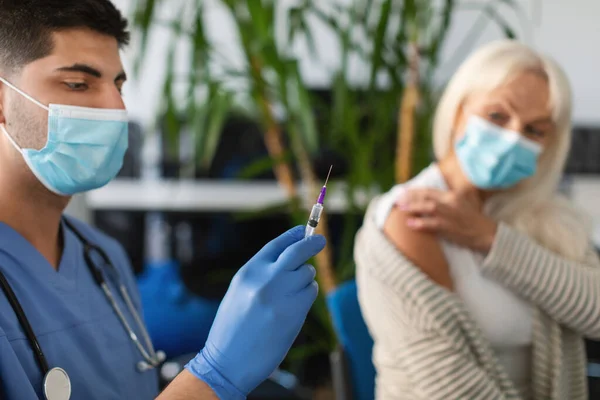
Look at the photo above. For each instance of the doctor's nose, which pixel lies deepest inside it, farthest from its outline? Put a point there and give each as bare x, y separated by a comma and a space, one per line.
110, 98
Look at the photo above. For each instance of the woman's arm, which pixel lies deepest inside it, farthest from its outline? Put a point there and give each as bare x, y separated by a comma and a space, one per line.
567, 291
421, 248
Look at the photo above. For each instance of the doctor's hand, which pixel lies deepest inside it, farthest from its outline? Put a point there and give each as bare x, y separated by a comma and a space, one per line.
457, 217
260, 316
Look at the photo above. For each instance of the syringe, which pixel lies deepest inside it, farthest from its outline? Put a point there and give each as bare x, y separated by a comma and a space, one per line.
317, 210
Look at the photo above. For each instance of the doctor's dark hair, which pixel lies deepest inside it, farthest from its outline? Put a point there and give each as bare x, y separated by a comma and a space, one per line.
26, 26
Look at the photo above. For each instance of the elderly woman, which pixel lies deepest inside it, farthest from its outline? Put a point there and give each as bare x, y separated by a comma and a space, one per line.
475, 279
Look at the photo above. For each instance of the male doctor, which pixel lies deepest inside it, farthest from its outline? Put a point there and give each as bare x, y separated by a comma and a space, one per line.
63, 130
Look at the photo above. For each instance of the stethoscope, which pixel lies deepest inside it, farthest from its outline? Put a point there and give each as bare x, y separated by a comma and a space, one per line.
56, 383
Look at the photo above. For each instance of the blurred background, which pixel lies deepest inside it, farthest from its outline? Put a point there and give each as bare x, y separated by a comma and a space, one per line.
239, 107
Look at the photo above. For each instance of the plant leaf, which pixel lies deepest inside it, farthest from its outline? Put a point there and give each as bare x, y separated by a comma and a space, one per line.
172, 118
294, 18
268, 211
302, 352
438, 39
380, 36
259, 14
198, 115
300, 102
220, 105
261, 166
201, 45
500, 21
310, 39
143, 16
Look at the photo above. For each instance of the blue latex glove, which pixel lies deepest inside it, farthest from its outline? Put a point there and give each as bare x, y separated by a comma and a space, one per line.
260, 316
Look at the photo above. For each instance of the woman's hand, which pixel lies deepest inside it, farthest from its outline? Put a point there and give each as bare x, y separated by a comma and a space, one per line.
456, 217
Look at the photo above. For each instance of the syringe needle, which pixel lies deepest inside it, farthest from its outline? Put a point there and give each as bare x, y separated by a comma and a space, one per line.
327, 179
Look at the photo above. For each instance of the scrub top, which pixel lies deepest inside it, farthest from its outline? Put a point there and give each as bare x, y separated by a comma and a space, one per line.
72, 319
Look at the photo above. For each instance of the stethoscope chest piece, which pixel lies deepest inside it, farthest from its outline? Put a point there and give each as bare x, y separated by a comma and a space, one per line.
57, 385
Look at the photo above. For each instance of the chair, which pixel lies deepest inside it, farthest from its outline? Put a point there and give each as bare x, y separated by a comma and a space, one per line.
352, 368
178, 321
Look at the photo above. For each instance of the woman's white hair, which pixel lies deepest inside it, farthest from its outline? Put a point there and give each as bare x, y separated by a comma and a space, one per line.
533, 206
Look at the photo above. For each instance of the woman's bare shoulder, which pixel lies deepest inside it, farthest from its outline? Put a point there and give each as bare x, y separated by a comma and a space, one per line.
422, 249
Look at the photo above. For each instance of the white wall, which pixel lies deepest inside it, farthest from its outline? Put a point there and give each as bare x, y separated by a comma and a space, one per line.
570, 31
567, 30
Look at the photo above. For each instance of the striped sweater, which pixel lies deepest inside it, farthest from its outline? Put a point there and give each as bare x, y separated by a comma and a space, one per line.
427, 346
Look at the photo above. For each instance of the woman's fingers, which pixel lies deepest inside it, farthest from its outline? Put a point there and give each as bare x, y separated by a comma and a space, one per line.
420, 206
419, 195
424, 204
426, 223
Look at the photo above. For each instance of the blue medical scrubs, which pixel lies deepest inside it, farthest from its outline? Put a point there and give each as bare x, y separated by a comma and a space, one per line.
73, 321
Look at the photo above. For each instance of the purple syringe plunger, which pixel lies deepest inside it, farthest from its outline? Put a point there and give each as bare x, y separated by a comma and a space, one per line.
322, 195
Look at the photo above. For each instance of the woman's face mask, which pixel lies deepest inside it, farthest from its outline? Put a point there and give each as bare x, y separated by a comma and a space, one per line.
493, 157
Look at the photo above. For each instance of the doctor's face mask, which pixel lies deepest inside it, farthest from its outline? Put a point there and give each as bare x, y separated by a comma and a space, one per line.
84, 149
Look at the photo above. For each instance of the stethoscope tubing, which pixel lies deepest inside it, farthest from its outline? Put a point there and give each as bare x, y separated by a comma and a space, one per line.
16, 306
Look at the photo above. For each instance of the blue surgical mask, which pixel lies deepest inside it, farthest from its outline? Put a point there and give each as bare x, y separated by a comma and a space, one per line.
493, 157
84, 149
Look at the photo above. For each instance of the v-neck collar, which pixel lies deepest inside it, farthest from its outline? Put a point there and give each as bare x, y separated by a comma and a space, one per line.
32, 261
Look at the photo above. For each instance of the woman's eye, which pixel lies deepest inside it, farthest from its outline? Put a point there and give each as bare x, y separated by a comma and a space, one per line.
537, 133
496, 117
77, 86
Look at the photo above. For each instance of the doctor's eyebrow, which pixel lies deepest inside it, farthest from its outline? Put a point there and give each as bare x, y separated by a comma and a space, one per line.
87, 69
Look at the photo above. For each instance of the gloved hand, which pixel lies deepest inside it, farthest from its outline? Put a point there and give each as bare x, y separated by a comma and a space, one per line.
260, 316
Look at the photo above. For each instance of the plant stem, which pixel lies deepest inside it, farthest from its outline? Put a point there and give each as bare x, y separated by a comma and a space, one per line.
406, 118
273, 138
